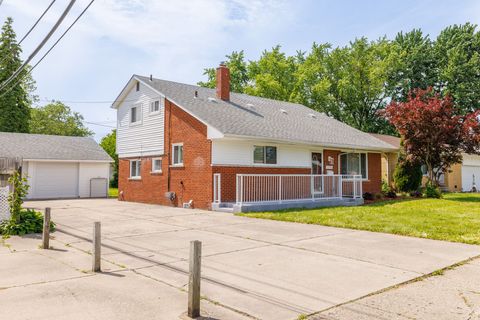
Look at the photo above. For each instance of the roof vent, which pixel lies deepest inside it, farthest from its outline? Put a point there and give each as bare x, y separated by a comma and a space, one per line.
151, 78
195, 95
212, 99
283, 111
312, 115
250, 105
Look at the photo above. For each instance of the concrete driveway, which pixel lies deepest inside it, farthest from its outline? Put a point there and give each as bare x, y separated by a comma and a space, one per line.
251, 268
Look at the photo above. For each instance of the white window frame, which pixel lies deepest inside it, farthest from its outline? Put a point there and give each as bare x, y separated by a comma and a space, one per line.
360, 163
139, 115
138, 168
264, 163
151, 106
153, 166
178, 164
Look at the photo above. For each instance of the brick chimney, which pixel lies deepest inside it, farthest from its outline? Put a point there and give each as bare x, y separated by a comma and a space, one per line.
223, 82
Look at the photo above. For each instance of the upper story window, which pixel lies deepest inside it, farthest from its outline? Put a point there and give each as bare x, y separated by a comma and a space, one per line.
137, 86
135, 167
265, 154
135, 114
155, 106
177, 154
157, 165
354, 164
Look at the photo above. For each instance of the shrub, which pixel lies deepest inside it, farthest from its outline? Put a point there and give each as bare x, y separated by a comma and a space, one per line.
416, 194
407, 176
368, 196
379, 196
432, 191
19, 192
29, 221
391, 194
385, 187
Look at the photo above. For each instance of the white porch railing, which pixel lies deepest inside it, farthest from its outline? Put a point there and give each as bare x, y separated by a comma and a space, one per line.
217, 188
252, 188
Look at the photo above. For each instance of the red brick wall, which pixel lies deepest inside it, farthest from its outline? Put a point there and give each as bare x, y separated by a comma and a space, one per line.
193, 181
374, 183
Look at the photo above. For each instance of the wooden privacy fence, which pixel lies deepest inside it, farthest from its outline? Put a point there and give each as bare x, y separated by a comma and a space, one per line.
4, 208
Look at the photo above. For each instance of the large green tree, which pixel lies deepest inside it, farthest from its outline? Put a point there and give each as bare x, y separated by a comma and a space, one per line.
15, 100
57, 119
273, 75
109, 144
457, 52
413, 64
238, 73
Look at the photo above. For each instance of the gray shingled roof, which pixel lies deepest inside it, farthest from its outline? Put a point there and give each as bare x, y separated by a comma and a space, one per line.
39, 146
251, 116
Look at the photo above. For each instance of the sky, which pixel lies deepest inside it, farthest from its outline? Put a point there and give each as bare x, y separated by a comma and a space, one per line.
175, 40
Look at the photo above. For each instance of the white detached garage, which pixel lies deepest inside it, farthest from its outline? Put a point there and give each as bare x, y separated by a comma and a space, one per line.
470, 172
59, 166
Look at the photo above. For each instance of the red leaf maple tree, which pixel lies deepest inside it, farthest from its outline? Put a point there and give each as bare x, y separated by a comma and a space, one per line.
434, 132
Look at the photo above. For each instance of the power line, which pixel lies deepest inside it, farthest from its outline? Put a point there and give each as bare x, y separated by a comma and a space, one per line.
39, 47
36, 22
29, 31
99, 124
29, 71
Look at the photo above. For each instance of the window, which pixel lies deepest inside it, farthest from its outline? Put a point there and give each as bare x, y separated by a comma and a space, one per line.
354, 164
265, 154
135, 166
135, 114
177, 155
157, 165
137, 86
155, 106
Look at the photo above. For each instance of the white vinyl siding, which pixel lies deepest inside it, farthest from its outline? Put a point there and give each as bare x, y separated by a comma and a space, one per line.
234, 152
147, 137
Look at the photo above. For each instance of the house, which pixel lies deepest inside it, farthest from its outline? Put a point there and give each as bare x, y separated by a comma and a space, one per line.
56, 166
185, 145
461, 177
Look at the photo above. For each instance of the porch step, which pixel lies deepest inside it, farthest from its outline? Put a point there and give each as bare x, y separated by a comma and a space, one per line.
224, 209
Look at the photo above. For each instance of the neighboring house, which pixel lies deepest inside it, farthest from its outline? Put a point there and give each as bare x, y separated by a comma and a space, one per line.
185, 145
56, 166
460, 177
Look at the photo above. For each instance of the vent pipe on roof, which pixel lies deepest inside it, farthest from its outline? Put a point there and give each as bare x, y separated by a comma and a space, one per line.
196, 94
223, 82
151, 78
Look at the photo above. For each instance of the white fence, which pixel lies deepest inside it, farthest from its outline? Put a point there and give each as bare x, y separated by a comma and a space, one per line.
251, 188
4, 208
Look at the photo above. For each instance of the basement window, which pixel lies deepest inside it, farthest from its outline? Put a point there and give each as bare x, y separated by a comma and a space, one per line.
135, 167
265, 155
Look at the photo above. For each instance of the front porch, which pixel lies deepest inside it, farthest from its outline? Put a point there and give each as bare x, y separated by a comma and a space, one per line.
266, 192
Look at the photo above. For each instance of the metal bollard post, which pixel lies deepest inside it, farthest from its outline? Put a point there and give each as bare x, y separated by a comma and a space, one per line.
46, 229
96, 246
194, 279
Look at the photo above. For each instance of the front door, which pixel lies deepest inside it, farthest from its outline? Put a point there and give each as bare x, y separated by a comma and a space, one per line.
317, 168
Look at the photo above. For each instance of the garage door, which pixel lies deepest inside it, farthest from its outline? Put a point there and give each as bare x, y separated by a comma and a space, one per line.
469, 173
55, 180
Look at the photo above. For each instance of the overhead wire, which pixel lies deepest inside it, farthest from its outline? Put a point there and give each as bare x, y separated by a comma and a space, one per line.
39, 47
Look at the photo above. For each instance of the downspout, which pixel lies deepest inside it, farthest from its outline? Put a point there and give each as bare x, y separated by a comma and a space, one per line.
169, 143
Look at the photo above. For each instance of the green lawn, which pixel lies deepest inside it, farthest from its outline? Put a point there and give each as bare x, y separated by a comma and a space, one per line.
113, 192
456, 217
